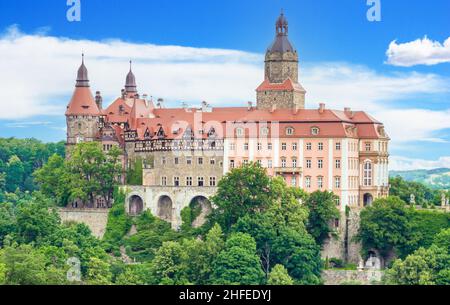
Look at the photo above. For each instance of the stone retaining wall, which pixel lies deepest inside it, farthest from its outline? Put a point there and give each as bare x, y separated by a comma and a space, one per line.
95, 219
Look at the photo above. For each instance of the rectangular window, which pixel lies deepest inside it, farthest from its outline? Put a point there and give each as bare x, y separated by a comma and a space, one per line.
320, 146
308, 163
294, 146
245, 161
269, 163
176, 160
320, 163
368, 146
283, 162
320, 182
338, 163
231, 163
212, 161
338, 145
259, 146
189, 181
308, 182
212, 181
245, 146
188, 160
283, 146
163, 160
269, 146
200, 181
259, 161
176, 181
232, 146
200, 161
294, 162
163, 181
337, 182
294, 181
308, 146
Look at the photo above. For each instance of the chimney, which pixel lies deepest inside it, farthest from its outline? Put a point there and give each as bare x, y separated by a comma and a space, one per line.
273, 108
98, 100
123, 93
160, 102
348, 111
321, 108
250, 106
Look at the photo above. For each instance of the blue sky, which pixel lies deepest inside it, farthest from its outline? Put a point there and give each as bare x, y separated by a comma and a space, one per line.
338, 48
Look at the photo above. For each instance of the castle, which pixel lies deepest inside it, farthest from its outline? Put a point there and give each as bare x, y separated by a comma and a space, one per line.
186, 151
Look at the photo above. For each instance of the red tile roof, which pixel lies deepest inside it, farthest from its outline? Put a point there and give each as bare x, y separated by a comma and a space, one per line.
82, 103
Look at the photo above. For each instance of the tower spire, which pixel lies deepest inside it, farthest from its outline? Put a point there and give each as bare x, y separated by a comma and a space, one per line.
130, 83
82, 75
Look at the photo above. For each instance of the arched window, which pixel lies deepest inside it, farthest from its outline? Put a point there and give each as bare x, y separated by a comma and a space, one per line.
367, 174
289, 131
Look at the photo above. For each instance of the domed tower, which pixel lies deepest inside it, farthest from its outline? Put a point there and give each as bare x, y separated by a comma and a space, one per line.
83, 114
280, 88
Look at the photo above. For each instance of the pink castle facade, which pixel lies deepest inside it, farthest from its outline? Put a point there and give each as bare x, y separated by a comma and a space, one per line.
185, 151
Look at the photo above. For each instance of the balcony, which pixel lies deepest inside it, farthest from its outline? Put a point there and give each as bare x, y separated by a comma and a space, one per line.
287, 170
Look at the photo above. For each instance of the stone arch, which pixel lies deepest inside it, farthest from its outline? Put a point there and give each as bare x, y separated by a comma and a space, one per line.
135, 205
205, 206
367, 199
164, 208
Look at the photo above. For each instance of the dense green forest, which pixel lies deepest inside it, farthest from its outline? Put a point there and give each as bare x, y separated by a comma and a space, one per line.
262, 231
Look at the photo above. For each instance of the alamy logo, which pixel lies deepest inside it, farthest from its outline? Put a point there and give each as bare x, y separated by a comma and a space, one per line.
74, 272
74, 11
374, 12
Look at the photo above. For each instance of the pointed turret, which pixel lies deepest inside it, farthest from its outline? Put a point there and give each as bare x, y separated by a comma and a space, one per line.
82, 102
130, 83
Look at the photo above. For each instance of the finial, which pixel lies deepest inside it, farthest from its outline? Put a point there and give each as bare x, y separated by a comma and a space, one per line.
131, 62
82, 58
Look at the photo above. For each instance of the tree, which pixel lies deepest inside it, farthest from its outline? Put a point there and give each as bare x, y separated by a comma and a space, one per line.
14, 174
26, 265
442, 239
93, 173
386, 226
244, 190
35, 222
170, 264
279, 276
322, 210
423, 267
54, 180
99, 272
238, 263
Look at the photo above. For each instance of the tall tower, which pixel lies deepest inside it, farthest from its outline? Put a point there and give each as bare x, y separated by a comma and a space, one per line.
83, 114
280, 88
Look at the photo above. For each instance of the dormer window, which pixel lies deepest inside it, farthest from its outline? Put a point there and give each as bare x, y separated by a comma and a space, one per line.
289, 131
315, 131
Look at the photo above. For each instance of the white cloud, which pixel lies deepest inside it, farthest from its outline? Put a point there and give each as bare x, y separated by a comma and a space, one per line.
39, 75
402, 163
418, 52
